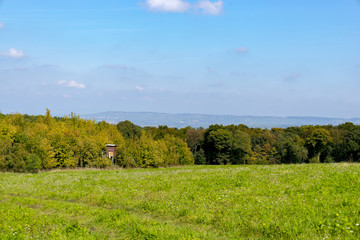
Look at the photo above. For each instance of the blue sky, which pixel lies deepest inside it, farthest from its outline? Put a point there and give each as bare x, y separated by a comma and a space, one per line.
238, 57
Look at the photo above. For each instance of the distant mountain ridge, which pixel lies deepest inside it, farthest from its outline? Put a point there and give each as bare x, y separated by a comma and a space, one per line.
204, 120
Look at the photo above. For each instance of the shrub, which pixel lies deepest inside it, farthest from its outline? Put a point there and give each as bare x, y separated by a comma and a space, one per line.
200, 157
314, 160
328, 159
33, 163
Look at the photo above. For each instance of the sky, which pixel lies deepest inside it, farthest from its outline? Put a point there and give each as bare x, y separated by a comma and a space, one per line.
234, 57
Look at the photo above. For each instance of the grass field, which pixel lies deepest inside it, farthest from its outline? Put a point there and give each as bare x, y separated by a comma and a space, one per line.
197, 202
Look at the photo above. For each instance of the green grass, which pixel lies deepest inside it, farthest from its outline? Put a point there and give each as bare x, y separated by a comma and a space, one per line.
318, 201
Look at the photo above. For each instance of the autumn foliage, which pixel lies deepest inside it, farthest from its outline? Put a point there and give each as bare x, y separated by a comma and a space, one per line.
33, 143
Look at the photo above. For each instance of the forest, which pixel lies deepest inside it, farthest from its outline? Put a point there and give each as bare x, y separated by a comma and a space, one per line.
43, 142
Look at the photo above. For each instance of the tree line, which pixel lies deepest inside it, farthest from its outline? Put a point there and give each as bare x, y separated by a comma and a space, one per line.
32, 143
239, 144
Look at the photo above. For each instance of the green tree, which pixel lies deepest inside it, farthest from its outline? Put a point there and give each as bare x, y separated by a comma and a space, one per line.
317, 142
241, 147
350, 142
219, 145
33, 163
178, 153
195, 140
129, 130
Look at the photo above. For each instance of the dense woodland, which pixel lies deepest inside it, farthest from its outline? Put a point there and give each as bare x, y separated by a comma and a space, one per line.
32, 143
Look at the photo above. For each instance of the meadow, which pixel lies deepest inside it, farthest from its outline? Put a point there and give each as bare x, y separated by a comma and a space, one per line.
305, 201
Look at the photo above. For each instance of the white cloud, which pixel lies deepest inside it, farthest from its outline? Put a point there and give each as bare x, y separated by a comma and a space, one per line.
13, 53
139, 88
241, 50
71, 84
208, 7
168, 5
2, 25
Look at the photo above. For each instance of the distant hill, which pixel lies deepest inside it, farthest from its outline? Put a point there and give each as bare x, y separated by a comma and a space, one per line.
205, 120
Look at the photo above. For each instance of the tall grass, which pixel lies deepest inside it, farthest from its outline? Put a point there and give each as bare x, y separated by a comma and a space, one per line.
317, 201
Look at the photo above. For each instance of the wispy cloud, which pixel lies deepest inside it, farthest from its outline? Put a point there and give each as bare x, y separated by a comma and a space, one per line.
139, 88
149, 99
47, 66
2, 25
21, 68
116, 66
161, 89
292, 76
211, 70
13, 53
71, 84
216, 84
168, 5
208, 7
241, 50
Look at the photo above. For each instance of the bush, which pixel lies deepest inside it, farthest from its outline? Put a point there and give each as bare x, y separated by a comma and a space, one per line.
33, 163
99, 162
200, 157
314, 160
328, 159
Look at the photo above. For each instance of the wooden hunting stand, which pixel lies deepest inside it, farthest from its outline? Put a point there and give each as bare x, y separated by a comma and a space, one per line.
111, 152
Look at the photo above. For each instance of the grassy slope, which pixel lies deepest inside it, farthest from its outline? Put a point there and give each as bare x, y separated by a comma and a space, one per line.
198, 202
